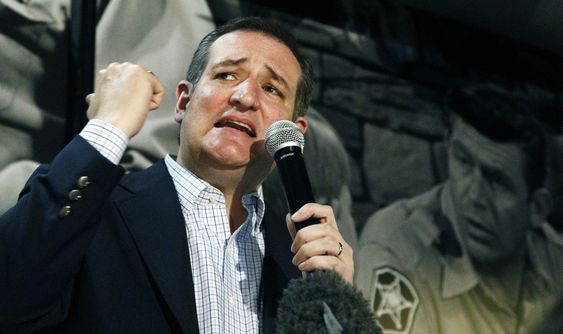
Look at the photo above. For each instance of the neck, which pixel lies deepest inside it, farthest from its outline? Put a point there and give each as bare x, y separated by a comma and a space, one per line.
235, 210
233, 181
504, 278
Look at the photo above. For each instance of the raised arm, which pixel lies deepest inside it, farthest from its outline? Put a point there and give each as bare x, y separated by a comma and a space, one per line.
43, 238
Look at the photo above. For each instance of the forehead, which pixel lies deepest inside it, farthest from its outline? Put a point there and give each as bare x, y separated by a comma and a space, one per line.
259, 50
508, 157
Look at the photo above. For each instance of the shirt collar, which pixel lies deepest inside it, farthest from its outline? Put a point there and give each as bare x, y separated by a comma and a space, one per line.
254, 202
193, 191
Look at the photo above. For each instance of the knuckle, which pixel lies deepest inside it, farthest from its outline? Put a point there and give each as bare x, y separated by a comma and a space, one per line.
307, 249
328, 241
298, 240
302, 236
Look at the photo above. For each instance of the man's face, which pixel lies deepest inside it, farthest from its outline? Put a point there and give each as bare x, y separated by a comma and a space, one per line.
250, 82
489, 192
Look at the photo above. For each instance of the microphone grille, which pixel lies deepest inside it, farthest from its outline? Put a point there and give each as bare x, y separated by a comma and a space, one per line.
281, 134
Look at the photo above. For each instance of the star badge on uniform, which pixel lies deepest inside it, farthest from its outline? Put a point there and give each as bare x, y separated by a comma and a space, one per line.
394, 302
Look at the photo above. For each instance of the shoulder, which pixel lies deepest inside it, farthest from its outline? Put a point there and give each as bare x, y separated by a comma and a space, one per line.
399, 216
545, 247
394, 244
402, 226
546, 241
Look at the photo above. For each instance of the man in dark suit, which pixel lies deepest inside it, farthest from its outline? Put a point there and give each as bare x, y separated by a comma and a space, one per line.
187, 245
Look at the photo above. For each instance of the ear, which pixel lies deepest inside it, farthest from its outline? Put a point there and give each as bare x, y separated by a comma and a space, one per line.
541, 205
183, 95
302, 123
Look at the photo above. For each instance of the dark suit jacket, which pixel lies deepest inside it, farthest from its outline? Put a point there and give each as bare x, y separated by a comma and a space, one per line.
110, 266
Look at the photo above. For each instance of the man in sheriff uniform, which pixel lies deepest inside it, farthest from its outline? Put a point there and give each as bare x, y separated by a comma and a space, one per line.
473, 255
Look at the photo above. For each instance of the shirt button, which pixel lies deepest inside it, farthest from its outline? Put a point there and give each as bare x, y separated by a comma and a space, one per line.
232, 301
212, 198
83, 182
74, 195
64, 211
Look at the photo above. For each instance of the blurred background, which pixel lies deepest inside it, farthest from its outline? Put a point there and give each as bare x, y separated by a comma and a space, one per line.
382, 69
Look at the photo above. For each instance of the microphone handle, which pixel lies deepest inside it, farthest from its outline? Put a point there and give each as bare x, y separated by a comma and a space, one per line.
293, 173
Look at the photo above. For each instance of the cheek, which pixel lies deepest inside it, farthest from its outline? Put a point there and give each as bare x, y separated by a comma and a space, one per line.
202, 110
459, 188
512, 232
273, 115
508, 205
512, 217
208, 98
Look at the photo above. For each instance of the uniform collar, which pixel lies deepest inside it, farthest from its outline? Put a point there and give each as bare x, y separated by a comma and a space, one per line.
422, 229
459, 275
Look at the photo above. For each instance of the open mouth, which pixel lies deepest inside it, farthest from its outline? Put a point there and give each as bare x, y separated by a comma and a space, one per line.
236, 125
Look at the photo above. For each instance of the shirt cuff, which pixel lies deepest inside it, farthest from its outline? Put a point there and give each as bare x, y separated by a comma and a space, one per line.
107, 139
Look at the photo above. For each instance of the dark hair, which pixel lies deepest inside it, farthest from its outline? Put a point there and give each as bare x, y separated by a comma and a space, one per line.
270, 28
502, 117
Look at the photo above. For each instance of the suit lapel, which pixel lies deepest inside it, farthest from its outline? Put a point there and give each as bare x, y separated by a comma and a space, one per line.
155, 219
277, 268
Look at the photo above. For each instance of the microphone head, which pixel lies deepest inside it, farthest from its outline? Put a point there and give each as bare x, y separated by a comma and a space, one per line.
282, 134
303, 307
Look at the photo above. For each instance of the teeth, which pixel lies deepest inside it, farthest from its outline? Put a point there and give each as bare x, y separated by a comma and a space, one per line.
241, 126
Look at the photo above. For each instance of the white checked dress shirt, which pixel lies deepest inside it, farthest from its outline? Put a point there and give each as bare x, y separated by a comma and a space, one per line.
226, 268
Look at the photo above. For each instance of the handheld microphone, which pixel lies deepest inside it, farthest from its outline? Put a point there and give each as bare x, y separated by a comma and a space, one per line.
284, 141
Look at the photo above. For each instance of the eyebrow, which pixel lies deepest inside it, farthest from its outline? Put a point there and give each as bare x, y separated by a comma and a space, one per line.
234, 62
230, 62
277, 77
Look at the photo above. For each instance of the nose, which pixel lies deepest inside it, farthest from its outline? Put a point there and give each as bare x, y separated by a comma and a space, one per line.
476, 189
245, 95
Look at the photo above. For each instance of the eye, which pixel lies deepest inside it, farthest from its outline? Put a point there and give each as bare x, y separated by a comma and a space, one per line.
497, 184
498, 181
462, 160
272, 90
225, 76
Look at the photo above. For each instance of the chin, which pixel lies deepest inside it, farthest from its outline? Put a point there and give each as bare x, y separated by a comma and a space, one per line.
489, 255
228, 155
231, 162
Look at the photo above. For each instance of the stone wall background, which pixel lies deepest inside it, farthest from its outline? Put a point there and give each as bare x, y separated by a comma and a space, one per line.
382, 70
381, 76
